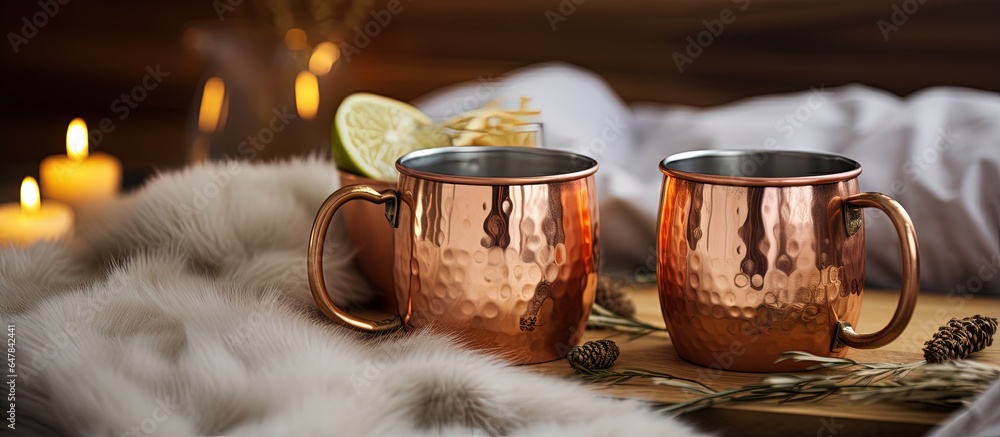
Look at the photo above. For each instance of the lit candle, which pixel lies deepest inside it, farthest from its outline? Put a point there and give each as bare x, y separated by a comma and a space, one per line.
30, 221
80, 178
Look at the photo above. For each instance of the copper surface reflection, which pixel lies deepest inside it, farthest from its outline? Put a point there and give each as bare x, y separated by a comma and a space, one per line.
506, 261
748, 270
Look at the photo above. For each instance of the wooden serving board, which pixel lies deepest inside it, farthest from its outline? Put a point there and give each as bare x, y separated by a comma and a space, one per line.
654, 352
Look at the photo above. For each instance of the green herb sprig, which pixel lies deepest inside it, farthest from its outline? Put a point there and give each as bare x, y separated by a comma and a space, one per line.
603, 318
951, 384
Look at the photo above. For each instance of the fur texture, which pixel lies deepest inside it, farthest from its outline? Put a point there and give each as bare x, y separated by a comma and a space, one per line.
184, 309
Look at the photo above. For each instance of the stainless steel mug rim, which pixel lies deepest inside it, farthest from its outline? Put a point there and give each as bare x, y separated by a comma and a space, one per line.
482, 165
766, 167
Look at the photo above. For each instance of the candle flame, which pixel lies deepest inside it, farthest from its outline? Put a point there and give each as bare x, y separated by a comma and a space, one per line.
212, 99
323, 57
306, 95
295, 39
30, 199
76, 140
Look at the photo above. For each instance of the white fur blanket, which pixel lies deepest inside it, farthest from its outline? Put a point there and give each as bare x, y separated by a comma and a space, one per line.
184, 309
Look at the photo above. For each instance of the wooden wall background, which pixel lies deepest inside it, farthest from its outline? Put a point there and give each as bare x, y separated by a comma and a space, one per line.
772, 46
90, 52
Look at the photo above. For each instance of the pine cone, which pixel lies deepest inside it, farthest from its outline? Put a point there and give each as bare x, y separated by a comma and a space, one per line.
593, 355
960, 338
613, 297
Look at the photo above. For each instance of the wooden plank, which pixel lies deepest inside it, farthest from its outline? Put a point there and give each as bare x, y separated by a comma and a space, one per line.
772, 46
654, 352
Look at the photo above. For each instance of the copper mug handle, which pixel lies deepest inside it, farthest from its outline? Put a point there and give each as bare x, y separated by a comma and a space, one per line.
315, 258
846, 336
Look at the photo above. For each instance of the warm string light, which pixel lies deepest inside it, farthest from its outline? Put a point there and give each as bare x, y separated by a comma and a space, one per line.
76, 140
212, 99
323, 57
306, 95
30, 198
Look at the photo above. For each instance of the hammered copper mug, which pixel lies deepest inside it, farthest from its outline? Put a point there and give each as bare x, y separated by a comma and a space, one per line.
497, 245
762, 252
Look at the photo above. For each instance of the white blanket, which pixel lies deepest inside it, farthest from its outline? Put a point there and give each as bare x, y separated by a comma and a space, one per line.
937, 152
184, 309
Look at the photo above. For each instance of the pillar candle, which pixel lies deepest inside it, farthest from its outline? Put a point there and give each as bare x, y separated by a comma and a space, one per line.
31, 221
79, 178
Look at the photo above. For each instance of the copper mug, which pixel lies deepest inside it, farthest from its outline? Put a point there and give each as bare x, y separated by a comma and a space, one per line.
371, 245
762, 252
497, 245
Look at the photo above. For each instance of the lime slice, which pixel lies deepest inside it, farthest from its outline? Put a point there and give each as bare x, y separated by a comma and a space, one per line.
371, 132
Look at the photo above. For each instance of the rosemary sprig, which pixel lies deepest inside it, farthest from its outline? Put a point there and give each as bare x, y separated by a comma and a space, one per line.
950, 384
615, 377
601, 317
